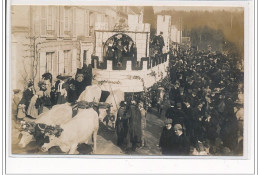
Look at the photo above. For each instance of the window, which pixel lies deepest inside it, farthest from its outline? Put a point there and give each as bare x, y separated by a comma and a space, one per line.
51, 63
68, 20
48, 63
51, 20
67, 62
43, 20
85, 57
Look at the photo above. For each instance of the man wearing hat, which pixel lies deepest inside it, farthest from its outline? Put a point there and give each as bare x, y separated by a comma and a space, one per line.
165, 142
121, 125
27, 96
160, 42
180, 143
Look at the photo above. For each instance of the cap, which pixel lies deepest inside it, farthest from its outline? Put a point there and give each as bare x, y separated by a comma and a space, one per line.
168, 121
161, 32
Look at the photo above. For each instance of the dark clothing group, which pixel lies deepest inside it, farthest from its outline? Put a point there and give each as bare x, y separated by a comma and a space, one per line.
172, 144
129, 128
203, 94
120, 49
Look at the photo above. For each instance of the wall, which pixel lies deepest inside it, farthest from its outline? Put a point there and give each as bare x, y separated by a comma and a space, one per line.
164, 25
129, 80
175, 34
21, 60
21, 53
32, 22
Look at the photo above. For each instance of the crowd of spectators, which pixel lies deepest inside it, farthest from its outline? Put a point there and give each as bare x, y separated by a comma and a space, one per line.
204, 100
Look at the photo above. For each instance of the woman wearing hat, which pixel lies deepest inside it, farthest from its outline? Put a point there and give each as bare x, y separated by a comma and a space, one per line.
43, 102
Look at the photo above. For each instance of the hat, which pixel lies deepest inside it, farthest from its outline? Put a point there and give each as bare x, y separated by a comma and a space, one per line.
79, 71
30, 84
168, 121
41, 83
177, 126
161, 32
16, 91
123, 103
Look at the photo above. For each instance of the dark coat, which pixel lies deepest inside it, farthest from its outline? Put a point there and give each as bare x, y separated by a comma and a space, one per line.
135, 131
121, 127
166, 141
172, 144
181, 145
27, 95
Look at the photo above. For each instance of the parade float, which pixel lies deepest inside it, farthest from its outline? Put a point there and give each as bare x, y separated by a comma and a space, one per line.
136, 72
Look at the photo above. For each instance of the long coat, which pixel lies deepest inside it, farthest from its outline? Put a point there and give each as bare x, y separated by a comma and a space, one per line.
135, 131
27, 96
166, 141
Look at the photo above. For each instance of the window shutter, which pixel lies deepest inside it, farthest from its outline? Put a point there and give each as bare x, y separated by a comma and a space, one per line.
53, 20
87, 23
74, 22
74, 61
55, 65
49, 18
61, 62
70, 20
61, 21
43, 21
42, 63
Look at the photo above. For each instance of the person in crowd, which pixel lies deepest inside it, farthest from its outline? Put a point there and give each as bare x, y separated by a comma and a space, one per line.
119, 52
43, 103
15, 102
110, 49
135, 131
180, 143
47, 78
26, 98
129, 49
61, 91
160, 42
143, 121
71, 91
166, 138
121, 125
53, 96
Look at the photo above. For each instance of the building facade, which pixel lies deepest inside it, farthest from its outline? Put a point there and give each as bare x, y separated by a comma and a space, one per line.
56, 39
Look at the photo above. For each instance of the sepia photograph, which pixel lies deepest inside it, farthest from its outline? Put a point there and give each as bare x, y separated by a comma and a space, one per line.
127, 80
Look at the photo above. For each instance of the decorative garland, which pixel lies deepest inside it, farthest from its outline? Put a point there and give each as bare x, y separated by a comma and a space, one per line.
110, 82
46, 129
153, 73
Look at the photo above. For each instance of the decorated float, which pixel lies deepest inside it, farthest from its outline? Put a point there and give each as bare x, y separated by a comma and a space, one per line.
139, 68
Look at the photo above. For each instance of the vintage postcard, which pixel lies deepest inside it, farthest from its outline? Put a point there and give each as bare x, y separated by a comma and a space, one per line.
127, 80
